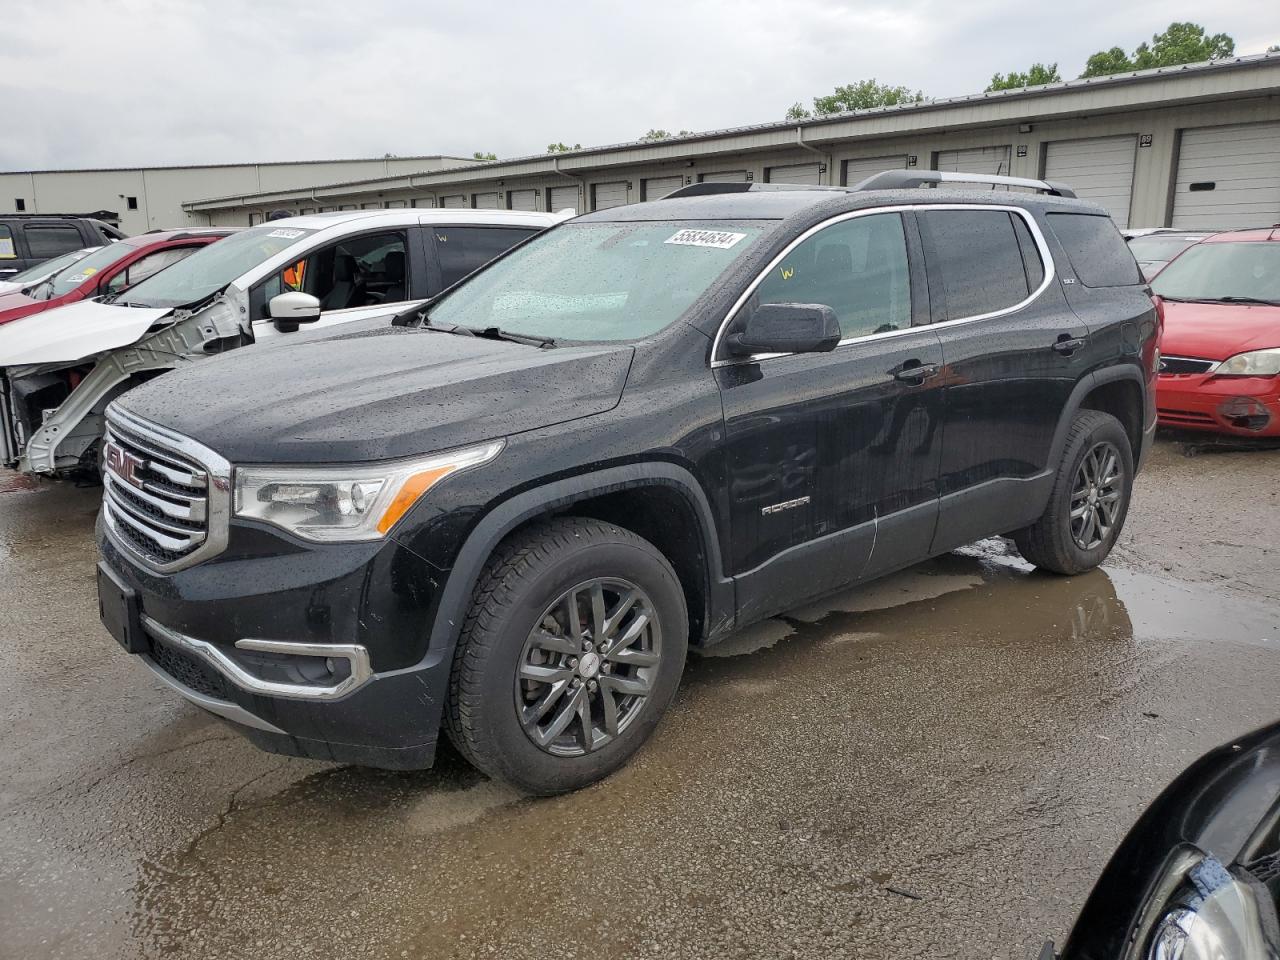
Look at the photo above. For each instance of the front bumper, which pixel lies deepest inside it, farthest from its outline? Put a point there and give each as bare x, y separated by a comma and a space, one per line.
1241, 406
315, 652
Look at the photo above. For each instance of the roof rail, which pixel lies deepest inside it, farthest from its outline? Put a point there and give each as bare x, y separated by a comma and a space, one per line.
906, 179
741, 186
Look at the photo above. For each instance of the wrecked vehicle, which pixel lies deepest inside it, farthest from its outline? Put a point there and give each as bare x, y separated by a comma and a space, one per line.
1198, 876
512, 512
60, 369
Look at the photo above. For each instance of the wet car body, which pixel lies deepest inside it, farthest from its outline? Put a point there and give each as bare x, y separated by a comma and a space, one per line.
1198, 388
786, 479
1199, 873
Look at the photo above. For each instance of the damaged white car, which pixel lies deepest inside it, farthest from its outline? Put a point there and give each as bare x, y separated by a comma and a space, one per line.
60, 369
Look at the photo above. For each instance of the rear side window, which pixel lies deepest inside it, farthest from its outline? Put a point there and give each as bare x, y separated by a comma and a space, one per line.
979, 259
1096, 250
464, 249
45, 243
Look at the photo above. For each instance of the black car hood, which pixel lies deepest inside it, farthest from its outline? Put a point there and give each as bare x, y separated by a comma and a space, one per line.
378, 394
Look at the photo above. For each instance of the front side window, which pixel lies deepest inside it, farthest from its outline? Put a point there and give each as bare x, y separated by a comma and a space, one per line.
7, 250
979, 259
1227, 271
354, 272
463, 250
45, 243
599, 281
148, 266
857, 267
212, 267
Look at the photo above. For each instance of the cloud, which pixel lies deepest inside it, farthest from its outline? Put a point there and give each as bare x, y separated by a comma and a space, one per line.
146, 82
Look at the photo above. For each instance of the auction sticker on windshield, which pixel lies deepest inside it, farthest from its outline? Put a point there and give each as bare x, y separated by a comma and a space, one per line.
286, 234
705, 238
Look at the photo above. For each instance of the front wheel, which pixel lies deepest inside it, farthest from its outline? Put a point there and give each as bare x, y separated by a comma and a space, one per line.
1089, 501
570, 655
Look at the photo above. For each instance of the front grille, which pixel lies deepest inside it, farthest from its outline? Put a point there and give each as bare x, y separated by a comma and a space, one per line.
1185, 365
1187, 417
156, 499
189, 671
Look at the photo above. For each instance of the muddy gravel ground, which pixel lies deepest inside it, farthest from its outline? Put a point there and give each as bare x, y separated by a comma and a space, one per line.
935, 765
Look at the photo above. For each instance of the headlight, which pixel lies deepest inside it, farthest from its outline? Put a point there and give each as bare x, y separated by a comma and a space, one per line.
1256, 363
1214, 916
343, 503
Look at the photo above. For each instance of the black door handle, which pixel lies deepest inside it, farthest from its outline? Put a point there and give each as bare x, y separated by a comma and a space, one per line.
913, 371
1067, 345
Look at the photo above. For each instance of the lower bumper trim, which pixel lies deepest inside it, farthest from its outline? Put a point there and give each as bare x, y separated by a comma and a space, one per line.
228, 711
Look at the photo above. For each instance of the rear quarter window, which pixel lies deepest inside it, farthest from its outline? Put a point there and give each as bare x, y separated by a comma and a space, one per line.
1097, 251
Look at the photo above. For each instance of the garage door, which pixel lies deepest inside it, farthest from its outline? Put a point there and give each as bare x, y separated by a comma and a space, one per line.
977, 160
655, 188
457, 200
484, 201
724, 176
810, 173
564, 198
522, 199
422, 202
1100, 170
1228, 177
855, 171
606, 195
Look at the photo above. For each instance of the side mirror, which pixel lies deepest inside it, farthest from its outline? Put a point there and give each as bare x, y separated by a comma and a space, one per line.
786, 328
292, 308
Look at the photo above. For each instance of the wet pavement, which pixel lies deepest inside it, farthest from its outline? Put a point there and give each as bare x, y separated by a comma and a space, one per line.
935, 765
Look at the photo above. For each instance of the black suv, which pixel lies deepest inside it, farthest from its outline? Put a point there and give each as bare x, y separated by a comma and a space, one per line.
511, 511
27, 240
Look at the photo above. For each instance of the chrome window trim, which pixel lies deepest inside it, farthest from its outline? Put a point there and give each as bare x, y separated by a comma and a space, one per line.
217, 494
1042, 246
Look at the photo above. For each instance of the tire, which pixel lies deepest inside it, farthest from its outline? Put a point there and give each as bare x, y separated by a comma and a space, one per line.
532, 581
1052, 543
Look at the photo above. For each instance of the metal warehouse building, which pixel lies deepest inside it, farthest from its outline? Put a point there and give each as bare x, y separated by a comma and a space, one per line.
144, 199
1189, 146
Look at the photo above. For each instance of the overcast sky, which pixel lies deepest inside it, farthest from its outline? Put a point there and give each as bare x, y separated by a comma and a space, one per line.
147, 82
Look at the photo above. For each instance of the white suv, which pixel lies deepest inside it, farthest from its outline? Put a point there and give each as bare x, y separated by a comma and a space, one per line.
59, 369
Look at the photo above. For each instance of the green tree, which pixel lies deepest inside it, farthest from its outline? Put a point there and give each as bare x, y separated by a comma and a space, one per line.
797, 112
664, 134
562, 148
485, 156
1035, 76
1181, 42
863, 95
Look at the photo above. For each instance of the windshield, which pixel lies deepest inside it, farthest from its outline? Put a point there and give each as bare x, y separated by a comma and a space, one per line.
598, 281
50, 267
211, 268
1217, 271
1160, 247
84, 269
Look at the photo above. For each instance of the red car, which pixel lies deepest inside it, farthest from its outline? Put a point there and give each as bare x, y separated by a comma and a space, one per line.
108, 270
1220, 354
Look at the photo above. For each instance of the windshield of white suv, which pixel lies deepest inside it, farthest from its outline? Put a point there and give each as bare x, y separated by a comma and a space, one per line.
598, 281
211, 268
82, 271
1245, 271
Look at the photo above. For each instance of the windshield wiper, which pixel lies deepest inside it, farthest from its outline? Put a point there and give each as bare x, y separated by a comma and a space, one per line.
496, 333
1265, 303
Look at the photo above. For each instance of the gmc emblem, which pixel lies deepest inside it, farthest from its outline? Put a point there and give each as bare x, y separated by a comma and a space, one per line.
124, 465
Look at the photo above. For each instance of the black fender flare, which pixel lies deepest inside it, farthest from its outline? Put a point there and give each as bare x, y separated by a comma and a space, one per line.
1087, 385
509, 514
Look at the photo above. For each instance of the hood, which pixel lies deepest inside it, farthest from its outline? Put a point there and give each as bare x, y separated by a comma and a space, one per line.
74, 332
1216, 331
378, 395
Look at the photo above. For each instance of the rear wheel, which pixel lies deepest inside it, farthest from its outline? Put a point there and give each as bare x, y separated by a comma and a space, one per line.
1089, 501
571, 653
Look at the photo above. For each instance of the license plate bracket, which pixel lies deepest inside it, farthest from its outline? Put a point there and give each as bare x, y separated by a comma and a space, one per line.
120, 610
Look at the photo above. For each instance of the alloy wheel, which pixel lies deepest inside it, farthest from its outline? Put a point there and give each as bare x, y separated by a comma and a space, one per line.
1096, 494
588, 666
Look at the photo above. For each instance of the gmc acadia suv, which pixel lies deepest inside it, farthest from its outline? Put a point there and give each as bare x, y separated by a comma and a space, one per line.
512, 510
